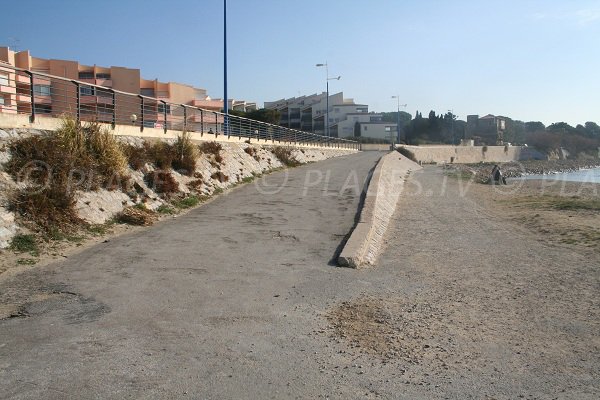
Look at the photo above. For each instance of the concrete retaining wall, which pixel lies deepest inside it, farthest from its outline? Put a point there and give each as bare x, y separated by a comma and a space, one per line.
382, 196
472, 154
21, 121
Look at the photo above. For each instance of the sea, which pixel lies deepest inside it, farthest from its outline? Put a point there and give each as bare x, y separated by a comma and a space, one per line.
583, 175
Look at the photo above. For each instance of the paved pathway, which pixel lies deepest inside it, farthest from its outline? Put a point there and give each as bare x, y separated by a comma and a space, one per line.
231, 300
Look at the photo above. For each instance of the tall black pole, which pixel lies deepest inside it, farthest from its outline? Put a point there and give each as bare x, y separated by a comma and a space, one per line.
225, 100
327, 111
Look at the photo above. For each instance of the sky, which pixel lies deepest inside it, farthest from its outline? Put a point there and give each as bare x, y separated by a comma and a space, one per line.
529, 60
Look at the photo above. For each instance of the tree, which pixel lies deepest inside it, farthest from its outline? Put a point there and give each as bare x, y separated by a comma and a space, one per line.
533, 126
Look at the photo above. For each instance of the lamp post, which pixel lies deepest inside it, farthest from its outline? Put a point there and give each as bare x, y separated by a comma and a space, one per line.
398, 119
225, 100
327, 79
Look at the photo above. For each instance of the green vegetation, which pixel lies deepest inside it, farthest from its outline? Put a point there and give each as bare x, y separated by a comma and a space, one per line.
26, 261
188, 202
165, 210
23, 243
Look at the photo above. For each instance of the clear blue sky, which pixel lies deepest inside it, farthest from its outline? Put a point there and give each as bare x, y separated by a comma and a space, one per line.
526, 59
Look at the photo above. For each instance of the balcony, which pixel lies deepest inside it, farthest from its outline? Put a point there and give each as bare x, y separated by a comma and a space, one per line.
94, 100
8, 89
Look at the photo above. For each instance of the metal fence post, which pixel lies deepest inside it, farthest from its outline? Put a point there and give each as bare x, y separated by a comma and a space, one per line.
141, 113
184, 117
164, 103
77, 87
201, 123
114, 108
31, 95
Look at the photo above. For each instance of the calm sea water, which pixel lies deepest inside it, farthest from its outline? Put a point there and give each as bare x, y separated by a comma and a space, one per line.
583, 175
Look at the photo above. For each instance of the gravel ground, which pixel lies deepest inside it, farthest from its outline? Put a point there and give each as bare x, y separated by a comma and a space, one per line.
240, 301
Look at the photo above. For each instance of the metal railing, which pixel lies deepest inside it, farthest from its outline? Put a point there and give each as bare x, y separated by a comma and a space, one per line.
41, 95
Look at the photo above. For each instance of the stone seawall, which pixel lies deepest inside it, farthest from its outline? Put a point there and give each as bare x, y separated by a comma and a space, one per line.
381, 198
472, 154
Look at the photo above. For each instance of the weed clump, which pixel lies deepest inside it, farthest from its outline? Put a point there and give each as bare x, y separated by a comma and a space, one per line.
137, 216
284, 154
23, 243
221, 177
55, 166
187, 202
213, 148
162, 182
186, 154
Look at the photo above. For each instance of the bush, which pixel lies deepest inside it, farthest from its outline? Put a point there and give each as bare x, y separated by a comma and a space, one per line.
55, 166
221, 177
162, 182
138, 156
24, 244
187, 202
284, 154
186, 154
211, 148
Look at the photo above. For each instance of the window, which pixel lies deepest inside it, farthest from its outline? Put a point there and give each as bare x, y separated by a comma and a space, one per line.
102, 76
42, 90
147, 92
85, 90
43, 108
4, 80
86, 75
1, 100
364, 127
103, 93
161, 108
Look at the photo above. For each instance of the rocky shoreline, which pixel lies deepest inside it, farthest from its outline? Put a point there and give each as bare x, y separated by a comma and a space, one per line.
517, 169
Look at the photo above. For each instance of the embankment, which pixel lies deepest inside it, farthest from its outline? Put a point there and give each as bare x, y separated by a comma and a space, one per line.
224, 165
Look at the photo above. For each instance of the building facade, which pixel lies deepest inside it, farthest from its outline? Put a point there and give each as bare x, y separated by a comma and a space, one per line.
55, 97
308, 113
488, 129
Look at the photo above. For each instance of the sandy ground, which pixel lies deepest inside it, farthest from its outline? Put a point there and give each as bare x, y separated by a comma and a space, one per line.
469, 300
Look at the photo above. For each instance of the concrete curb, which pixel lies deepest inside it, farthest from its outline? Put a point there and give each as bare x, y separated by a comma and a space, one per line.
381, 198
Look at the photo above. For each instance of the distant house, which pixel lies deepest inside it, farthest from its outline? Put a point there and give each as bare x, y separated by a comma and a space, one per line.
489, 128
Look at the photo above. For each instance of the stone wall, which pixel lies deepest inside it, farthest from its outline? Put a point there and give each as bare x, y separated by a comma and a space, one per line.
472, 154
383, 193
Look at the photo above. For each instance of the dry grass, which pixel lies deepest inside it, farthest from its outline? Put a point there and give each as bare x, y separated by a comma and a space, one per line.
284, 154
137, 216
213, 148
186, 155
55, 166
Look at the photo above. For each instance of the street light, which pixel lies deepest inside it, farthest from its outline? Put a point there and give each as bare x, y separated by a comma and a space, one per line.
225, 99
327, 79
398, 120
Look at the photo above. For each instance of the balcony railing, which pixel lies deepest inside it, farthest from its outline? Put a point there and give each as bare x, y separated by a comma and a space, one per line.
90, 102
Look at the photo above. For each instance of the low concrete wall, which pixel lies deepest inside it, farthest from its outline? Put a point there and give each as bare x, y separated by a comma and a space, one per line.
381, 198
375, 147
21, 121
472, 154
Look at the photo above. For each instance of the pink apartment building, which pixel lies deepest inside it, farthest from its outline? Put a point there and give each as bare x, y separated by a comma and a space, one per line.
53, 96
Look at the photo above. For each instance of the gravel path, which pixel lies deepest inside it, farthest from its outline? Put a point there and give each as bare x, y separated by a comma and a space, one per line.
237, 300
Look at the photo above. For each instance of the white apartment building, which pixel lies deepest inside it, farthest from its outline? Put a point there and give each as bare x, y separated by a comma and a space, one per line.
308, 113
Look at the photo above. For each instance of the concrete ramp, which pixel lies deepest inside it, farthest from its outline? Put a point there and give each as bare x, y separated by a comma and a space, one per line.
382, 196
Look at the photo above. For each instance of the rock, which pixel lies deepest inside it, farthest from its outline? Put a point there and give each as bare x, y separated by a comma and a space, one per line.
98, 207
8, 228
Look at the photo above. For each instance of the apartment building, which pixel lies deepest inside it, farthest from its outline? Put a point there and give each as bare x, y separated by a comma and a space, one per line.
308, 113
54, 97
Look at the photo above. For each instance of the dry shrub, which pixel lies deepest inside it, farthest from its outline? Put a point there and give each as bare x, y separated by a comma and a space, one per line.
162, 154
186, 155
213, 148
284, 154
137, 216
138, 156
221, 177
162, 182
55, 166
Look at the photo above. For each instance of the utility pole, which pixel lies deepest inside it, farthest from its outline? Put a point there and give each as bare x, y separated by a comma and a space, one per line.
327, 79
225, 100
398, 117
